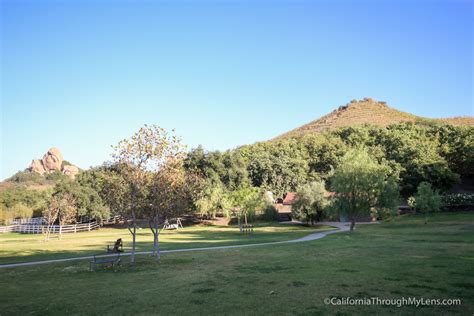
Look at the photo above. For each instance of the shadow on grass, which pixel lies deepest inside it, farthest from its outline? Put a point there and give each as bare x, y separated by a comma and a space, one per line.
169, 240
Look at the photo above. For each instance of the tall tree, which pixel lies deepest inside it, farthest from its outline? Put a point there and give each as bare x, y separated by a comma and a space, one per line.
311, 200
427, 200
173, 194
361, 184
62, 208
143, 154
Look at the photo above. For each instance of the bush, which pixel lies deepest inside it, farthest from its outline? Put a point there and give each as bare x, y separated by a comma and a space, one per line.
17, 211
457, 199
427, 200
57, 176
270, 213
310, 202
27, 176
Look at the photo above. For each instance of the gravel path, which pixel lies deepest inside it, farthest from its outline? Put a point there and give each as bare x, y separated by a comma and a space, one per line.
342, 227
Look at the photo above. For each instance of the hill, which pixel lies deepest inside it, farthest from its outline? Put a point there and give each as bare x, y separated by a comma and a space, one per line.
367, 111
42, 173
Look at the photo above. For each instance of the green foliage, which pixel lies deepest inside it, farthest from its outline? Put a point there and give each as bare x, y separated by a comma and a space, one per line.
27, 176
18, 210
414, 153
57, 176
411, 202
111, 184
389, 199
361, 184
246, 201
87, 201
427, 199
270, 213
456, 145
228, 167
277, 167
213, 200
458, 199
310, 203
35, 199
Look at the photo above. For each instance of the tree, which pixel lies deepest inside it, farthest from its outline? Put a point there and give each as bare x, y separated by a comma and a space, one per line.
213, 199
141, 155
310, 202
173, 194
88, 203
360, 182
228, 167
427, 200
417, 154
61, 208
35, 199
110, 182
18, 210
246, 201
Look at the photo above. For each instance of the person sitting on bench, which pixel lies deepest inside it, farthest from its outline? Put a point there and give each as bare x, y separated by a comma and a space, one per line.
118, 246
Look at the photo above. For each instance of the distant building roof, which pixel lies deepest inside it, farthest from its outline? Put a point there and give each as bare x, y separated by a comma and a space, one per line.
329, 194
289, 198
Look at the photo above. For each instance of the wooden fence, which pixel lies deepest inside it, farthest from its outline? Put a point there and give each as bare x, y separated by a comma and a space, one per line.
56, 229
32, 221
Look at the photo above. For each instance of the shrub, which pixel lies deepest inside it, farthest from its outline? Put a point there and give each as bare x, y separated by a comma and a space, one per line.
270, 213
457, 199
427, 200
310, 202
411, 202
27, 176
16, 211
56, 176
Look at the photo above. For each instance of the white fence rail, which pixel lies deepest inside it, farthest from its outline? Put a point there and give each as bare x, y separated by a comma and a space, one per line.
55, 229
31, 221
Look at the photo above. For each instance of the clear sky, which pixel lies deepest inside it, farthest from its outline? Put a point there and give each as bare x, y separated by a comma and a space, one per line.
81, 75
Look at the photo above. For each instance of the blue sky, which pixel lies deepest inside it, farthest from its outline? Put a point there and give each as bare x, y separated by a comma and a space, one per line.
81, 75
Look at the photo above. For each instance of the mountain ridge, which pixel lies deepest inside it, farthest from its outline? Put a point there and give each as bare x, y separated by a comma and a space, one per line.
367, 111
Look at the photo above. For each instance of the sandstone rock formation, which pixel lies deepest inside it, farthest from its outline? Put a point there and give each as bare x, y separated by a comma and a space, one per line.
53, 161
37, 166
70, 171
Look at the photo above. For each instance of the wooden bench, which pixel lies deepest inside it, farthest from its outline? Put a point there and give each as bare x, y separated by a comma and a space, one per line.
112, 261
246, 228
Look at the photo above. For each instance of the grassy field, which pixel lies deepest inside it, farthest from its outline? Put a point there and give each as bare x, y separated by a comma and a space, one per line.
402, 258
16, 247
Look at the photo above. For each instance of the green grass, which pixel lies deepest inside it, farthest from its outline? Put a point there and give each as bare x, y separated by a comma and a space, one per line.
16, 247
391, 260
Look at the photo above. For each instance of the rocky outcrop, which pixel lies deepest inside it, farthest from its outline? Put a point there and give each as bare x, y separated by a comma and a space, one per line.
53, 161
37, 166
71, 171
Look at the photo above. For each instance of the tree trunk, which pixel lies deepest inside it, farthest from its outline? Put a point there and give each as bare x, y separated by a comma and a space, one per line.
156, 241
133, 231
155, 230
132, 258
353, 222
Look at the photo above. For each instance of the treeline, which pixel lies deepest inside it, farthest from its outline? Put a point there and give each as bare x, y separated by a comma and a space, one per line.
438, 154
233, 182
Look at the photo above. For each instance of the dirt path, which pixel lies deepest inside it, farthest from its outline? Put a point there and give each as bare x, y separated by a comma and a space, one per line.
342, 227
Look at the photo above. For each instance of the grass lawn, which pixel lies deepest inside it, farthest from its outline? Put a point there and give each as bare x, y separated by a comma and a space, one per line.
402, 258
16, 247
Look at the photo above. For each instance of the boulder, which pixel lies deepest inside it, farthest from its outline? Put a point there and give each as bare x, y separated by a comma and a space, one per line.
52, 160
37, 166
71, 171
